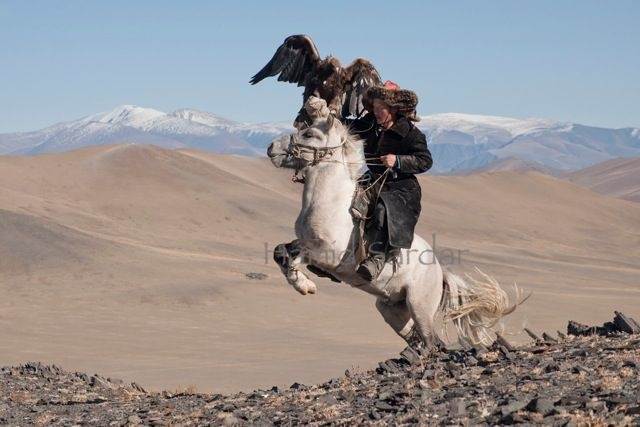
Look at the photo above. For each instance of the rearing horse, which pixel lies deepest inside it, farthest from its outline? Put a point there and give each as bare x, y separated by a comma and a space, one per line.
410, 291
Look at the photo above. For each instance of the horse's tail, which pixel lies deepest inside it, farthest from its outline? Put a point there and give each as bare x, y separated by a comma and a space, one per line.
474, 306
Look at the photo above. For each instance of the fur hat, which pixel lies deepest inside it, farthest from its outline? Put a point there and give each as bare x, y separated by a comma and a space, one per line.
390, 93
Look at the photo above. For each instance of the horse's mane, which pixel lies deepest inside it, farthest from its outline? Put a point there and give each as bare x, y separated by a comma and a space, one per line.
353, 150
353, 145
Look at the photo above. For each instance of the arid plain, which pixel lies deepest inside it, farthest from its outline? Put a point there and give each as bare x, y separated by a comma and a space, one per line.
132, 261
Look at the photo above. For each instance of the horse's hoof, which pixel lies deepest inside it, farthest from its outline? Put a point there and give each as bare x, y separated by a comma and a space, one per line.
305, 287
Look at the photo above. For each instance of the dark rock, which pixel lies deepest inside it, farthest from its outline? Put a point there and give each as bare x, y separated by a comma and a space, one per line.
386, 393
607, 328
541, 406
457, 408
580, 352
532, 335
375, 415
256, 276
503, 342
632, 410
620, 323
384, 406
327, 399
539, 350
410, 355
577, 369
548, 338
471, 361
347, 395
564, 422
551, 367
619, 399
578, 329
596, 406
389, 366
137, 387
334, 382
298, 386
429, 374
513, 406
625, 324
453, 368
509, 355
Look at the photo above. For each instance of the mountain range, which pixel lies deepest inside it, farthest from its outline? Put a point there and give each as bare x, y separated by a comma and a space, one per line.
459, 142
183, 128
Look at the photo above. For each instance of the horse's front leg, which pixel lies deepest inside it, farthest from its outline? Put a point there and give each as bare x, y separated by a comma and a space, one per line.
289, 257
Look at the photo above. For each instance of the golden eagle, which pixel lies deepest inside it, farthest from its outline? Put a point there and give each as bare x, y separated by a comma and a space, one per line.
297, 61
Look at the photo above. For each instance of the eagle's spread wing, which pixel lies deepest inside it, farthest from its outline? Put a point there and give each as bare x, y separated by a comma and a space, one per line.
295, 59
360, 76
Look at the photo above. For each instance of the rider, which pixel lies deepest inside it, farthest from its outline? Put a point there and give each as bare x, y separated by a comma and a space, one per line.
392, 138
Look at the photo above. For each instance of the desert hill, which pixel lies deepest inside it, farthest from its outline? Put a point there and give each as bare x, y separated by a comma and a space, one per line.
143, 252
511, 164
617, 177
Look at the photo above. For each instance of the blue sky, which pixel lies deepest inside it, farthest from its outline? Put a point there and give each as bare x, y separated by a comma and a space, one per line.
568, 60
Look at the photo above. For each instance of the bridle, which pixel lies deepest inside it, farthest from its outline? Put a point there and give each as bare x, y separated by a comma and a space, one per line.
300, 151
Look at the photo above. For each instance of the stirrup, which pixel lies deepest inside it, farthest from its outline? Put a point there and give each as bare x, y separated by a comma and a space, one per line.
364, 269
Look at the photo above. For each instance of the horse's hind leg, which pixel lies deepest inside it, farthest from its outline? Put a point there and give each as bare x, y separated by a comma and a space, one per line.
423, 307
397, 316
289, 258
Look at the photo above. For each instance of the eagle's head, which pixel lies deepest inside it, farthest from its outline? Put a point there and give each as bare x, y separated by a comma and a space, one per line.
329, 69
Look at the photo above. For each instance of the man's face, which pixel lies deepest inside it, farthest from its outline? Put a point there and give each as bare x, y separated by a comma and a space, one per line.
382, 112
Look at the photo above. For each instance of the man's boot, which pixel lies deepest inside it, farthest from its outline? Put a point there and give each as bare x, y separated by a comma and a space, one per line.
378, 235
371, 267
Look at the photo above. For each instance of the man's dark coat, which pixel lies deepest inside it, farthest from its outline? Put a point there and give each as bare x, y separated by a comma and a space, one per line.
401, 192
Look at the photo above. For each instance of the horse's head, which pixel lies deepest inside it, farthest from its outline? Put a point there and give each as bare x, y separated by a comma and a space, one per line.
308, 146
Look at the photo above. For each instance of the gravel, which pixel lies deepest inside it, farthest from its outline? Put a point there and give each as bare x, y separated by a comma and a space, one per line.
589, 376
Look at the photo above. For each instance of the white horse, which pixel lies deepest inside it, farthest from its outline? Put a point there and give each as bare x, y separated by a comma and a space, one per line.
410, 291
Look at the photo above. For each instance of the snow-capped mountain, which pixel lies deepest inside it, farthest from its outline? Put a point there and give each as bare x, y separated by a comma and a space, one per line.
203, 117
459, 142
130, 123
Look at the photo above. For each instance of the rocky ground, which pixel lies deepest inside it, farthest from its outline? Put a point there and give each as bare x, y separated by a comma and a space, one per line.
588, 377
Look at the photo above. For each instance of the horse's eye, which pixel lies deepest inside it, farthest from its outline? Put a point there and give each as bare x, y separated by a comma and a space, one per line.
308, 134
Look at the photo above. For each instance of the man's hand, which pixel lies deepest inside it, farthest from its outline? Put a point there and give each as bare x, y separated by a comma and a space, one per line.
388, 160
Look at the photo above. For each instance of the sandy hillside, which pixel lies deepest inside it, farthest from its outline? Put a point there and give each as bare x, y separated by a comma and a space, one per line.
617, 178
511, 164
130, 261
